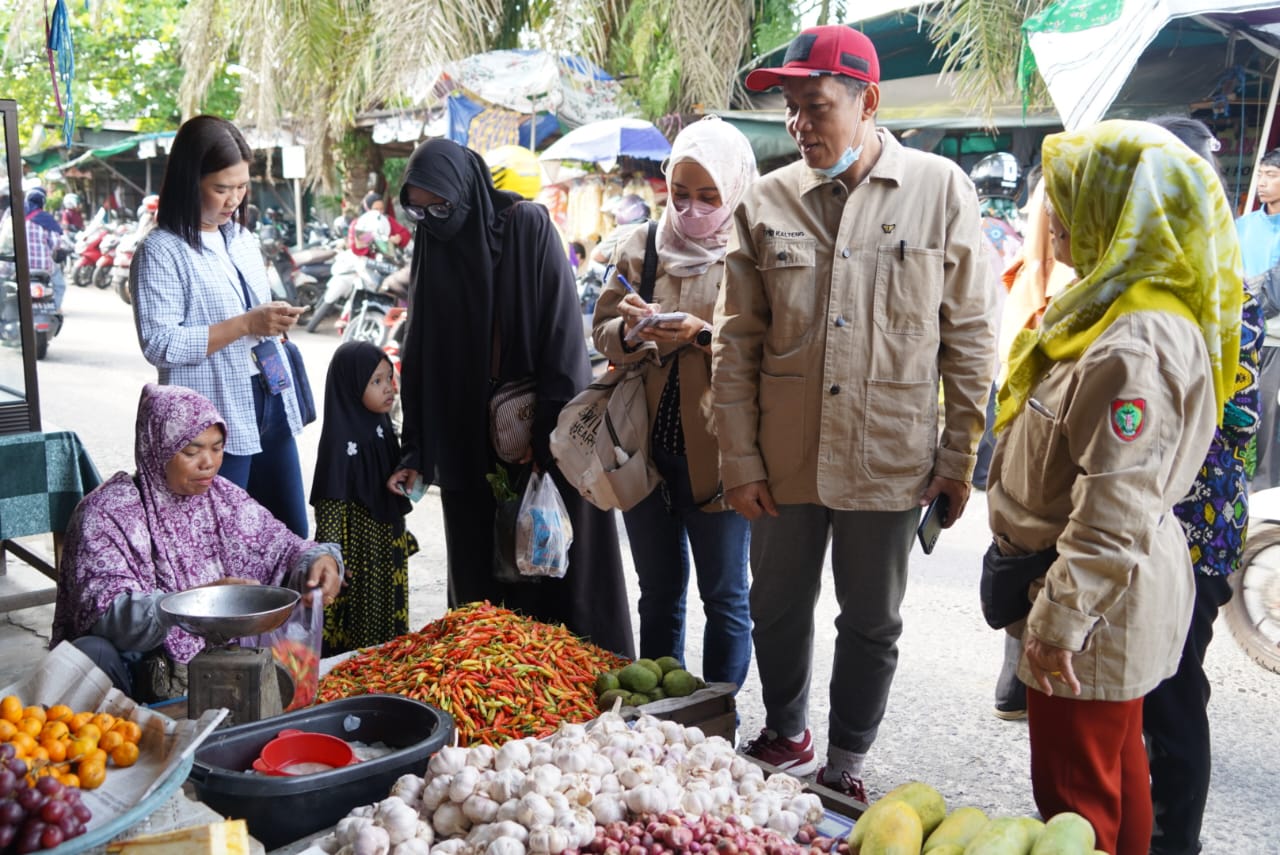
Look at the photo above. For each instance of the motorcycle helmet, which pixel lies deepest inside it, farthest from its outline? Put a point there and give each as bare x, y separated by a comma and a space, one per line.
627, 209
70, 201
515, 168
150, 204
373, 229
996, 175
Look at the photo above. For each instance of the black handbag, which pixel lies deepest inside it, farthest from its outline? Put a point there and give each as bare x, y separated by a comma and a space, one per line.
301, 385
1006, 580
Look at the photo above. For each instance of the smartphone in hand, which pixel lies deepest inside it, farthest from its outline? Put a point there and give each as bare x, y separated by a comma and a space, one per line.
931, 523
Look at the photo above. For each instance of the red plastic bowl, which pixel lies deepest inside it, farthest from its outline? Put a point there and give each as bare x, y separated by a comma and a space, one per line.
292, 748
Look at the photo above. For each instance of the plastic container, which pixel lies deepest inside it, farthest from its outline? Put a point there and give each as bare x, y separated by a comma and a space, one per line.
280, 810
292, 750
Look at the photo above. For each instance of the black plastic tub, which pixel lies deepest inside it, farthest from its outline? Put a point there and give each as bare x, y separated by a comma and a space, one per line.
280, 810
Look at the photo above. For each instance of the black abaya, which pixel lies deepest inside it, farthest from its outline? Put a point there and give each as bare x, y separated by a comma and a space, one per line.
501, 255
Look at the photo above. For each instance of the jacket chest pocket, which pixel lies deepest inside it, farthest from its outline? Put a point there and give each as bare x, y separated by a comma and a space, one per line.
908, 289
1026, 473
788, 271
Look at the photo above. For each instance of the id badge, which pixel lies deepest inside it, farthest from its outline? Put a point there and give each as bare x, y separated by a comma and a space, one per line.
271, 370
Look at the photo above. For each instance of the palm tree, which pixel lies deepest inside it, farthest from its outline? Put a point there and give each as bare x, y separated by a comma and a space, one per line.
981, 42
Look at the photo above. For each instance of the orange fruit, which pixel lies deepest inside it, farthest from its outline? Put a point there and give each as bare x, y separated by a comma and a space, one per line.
70, 779
60, 712
88, 731
79, 720
55, 748
35, 711
23, 744
81, 748
97, 755
110, 741
129, 730
125, 754
31, 726
7, 729
104, 721
38, 756
11, 708
91, 773
53, 730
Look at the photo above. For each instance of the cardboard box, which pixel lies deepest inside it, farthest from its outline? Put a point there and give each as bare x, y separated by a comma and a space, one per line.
711, 709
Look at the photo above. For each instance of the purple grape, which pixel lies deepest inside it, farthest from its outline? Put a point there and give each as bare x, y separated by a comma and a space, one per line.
8, 782
29, 838
30, 799
11, 813
49, 786
7, 752
51, 837
7, 833
71, 794
81, 811
69, 823
17, 767
54, 810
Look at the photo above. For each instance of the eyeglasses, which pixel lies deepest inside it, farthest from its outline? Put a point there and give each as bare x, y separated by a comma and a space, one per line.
418, 213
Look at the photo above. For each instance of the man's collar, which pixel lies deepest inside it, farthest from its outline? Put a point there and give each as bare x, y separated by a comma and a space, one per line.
888, 167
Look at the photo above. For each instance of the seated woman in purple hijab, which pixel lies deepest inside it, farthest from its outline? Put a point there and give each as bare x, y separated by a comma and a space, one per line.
174, 525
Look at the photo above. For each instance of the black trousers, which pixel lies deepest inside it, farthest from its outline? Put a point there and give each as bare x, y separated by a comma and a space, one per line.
1175, 722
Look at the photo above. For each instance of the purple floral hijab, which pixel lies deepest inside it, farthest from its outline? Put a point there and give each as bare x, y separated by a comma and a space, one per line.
134, 535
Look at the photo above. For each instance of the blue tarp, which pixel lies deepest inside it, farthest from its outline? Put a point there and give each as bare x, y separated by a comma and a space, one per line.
462, 110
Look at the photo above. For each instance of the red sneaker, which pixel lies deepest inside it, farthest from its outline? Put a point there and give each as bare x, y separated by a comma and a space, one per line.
795, 758
847, 785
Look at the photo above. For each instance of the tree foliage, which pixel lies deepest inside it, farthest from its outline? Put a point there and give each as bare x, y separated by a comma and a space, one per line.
127, 66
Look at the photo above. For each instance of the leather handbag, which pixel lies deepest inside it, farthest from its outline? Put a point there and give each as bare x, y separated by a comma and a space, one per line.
301, 385
1006, 580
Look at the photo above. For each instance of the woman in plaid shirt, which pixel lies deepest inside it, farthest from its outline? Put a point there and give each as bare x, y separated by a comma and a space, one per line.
205, 316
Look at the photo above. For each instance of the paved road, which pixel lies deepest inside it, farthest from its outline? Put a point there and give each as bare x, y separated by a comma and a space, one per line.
938, 728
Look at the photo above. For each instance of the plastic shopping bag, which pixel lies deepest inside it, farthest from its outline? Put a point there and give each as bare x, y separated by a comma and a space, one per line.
295, 645
543, 530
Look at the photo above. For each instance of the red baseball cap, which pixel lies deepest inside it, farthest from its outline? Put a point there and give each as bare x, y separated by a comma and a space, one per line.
833, 49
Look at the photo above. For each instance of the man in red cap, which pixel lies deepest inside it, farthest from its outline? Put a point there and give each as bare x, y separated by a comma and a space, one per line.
861, 281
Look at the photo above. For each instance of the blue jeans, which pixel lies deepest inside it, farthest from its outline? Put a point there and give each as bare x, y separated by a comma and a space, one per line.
661, 530
273, 476
59, 284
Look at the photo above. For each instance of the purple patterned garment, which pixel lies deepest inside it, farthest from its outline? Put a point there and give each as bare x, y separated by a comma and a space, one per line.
136, 535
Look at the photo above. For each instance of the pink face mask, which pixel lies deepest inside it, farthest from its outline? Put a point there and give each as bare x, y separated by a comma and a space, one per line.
698, 220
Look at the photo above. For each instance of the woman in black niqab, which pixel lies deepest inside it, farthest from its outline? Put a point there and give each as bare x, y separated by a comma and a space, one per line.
496, 261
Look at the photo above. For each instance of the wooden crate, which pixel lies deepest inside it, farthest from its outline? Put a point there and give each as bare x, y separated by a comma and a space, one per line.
711, 709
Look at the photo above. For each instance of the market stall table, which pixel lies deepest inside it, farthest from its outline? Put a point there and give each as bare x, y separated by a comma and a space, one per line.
44, 477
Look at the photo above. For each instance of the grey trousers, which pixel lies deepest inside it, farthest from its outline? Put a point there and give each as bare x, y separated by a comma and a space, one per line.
1268, 471
869, 564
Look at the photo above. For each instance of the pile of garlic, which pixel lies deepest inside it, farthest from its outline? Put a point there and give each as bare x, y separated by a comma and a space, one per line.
539, 797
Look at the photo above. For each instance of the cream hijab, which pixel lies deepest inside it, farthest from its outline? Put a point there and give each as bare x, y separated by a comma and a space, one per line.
724, 152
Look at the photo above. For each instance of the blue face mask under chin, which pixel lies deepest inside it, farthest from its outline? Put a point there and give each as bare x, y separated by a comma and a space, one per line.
849, 158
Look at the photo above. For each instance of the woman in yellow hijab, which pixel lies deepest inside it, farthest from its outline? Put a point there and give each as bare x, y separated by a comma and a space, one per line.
1102, 425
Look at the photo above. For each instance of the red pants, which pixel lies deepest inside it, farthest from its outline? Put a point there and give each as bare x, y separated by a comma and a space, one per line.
1088, 757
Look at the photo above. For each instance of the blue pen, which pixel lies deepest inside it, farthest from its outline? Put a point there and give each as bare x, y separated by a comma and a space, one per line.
624, 281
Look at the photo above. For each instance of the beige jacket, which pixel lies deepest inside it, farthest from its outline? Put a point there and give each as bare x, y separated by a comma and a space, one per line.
840, 313
1071, 471
697, 296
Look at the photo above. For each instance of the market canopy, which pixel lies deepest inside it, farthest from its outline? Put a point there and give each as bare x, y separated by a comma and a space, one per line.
534, 81
1088, 51
605, 141
163, 138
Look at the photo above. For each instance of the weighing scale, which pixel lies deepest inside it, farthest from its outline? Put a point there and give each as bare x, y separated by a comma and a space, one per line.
244, 680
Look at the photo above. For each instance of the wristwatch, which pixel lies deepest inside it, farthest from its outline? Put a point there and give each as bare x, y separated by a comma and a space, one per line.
703, 338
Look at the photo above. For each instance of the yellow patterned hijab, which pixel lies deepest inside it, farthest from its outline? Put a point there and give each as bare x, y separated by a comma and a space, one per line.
1151, 230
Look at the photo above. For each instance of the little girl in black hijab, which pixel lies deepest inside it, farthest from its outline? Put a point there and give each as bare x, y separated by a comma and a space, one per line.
354, 508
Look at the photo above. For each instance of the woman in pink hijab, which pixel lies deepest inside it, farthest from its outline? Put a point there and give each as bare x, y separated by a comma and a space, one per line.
173, 525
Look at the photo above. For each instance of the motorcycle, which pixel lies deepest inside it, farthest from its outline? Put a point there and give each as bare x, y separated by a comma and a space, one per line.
383, 285
46, 320
1253, 612
288, 283
123, 256
107, 257
590, 284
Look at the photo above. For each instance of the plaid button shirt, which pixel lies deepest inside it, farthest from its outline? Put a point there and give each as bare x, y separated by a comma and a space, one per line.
178, 293
41, 243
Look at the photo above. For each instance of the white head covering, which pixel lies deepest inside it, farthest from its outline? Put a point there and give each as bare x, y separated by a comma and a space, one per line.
724, 152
